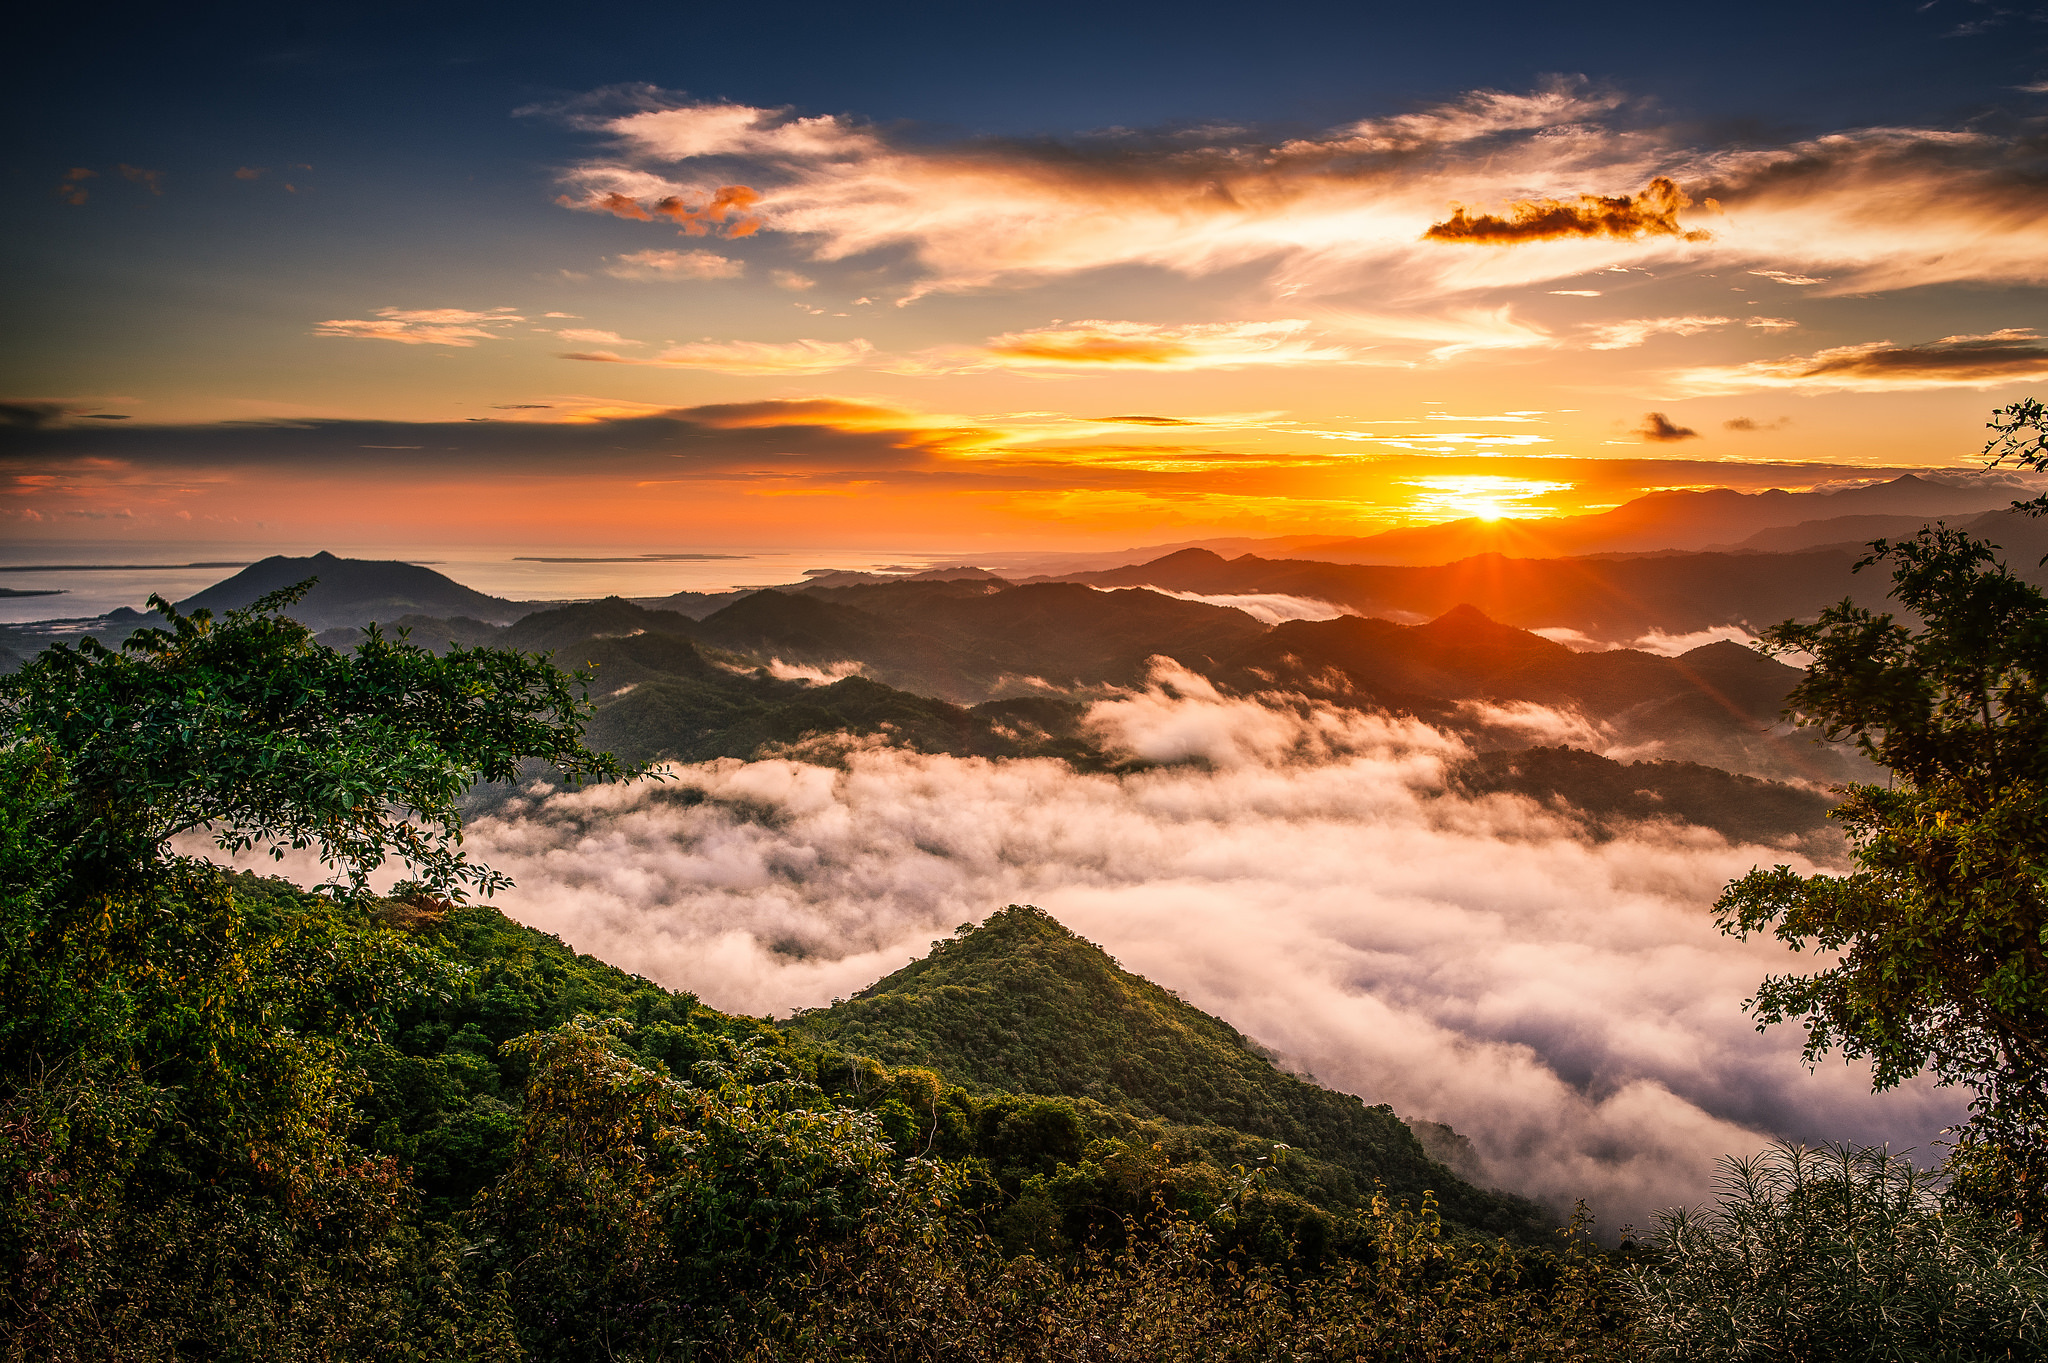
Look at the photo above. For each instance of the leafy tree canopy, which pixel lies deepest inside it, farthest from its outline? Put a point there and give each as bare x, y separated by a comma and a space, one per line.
1941, 931
248, 728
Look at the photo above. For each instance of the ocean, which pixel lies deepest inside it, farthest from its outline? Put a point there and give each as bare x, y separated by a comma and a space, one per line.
92, 578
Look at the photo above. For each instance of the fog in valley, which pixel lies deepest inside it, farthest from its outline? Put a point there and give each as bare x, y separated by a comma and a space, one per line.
1563, 999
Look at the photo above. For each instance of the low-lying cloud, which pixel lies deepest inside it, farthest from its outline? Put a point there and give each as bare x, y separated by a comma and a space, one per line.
1268, 608
1566, 1003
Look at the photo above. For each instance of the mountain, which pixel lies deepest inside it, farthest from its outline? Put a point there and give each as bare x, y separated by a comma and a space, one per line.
1718, 704
1022, 1005
658, 693
1614, 600
1609, 797
353, 591
965, 640
1684, 519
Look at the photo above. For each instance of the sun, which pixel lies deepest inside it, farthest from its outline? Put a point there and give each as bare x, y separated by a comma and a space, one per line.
1486, 497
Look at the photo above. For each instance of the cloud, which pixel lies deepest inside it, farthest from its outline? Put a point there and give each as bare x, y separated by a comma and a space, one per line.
1268, 608
1576, 293
1771, 323
819, 675
723, 214
674, 265
27, 414
1659, 429
1624, 335
153, 180
1145, 345
1445, 334
1520, 723
1743, 423
589, 336
1348, 208
71, 187
750, 357
1626, 217
1800, 280
424, 326
250, 172
1301, 871
791, 280
2012, 355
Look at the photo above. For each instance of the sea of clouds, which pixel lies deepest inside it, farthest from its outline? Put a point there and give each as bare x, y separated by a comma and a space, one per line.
1295, 869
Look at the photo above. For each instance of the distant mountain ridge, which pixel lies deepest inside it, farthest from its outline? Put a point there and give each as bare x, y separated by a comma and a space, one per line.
1673, 520
351, 591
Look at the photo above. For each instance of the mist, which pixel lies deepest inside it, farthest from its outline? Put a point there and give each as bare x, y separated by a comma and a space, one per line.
1293, 868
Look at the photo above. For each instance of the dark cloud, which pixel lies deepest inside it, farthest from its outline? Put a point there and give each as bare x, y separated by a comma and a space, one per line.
1144, 421
1660, 429
30, 415
1652, 213
2013, 353
1743, 423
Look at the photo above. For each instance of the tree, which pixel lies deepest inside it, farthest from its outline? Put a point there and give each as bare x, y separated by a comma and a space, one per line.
178, 1175
1942, 930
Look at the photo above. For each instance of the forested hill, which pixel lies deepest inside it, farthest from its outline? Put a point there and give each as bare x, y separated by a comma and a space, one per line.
1022, 1005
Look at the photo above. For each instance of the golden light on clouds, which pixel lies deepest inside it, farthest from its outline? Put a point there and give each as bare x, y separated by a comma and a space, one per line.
1485, 496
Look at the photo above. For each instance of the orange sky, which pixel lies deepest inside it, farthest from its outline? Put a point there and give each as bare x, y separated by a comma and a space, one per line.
762, 328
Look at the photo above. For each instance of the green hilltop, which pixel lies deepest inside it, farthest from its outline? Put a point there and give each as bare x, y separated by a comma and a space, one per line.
1022, 1005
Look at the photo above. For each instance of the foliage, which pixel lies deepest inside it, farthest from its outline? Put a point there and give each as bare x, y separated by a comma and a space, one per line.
2022, 437
251, 730
1840, 1254
1941, 929
936, 1289
1021, 1004
178, 1068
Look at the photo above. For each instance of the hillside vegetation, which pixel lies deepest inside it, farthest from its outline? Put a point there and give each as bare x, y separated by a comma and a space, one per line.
1021, 1004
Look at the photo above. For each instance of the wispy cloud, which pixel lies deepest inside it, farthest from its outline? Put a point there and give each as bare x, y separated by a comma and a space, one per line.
1624, 335
1144, 345
590, 336
674, 265
1445, 334
1358, 206
749, 357
424, 326
2011, 355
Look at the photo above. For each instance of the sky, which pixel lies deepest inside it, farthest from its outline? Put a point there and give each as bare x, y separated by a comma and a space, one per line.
942, 279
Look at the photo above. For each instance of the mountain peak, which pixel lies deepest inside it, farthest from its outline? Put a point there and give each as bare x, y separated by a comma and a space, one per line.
1021, 1004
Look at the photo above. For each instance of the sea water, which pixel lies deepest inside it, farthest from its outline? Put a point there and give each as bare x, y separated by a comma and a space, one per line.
94, 577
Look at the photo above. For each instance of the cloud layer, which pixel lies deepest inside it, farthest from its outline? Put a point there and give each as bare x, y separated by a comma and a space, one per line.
1588, 183
1565, 1002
